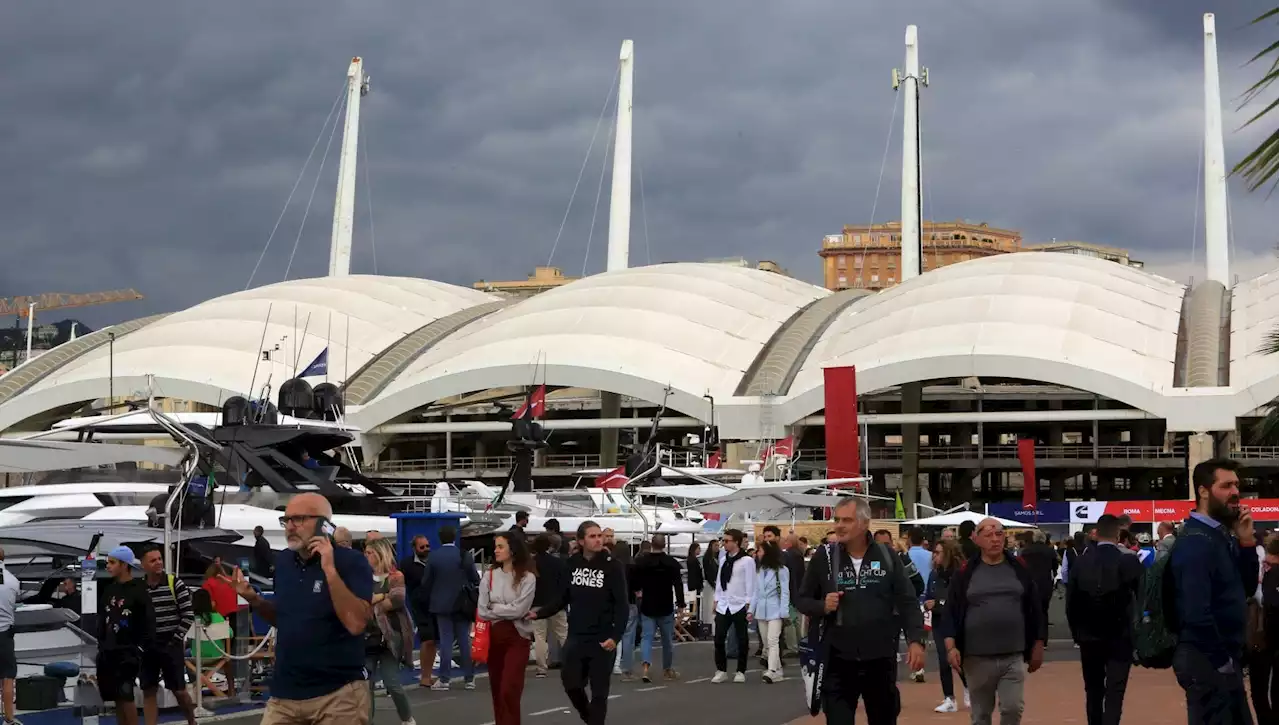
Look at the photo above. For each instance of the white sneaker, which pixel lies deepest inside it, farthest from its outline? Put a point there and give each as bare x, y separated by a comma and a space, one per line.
966, 698
739, 677
948, 705
718, 678
410, 721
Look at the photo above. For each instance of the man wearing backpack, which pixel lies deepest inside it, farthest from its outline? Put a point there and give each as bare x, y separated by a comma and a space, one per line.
1100, 598
1214, 568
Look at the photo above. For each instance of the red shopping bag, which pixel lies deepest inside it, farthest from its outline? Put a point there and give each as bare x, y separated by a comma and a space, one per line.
480, 643
480, 635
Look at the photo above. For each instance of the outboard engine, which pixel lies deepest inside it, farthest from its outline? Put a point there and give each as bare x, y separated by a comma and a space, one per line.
328, 401
297, 399
264, 412
236, 411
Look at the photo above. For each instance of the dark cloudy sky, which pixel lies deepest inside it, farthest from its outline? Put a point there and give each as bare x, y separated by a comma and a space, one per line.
153, 144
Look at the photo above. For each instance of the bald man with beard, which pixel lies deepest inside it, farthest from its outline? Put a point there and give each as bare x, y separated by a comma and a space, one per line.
320, 610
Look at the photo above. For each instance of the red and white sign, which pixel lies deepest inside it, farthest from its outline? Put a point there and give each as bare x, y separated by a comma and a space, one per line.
1150, 512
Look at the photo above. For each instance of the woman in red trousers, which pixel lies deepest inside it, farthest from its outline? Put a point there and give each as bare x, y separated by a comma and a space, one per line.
506, 593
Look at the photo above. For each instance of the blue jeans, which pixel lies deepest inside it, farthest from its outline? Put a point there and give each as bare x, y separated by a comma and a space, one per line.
667, 626
627, 650
385, 665
451, 630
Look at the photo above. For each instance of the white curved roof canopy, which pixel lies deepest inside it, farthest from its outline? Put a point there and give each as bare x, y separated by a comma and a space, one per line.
209, 352
693, 327
1255, 313
1076, 321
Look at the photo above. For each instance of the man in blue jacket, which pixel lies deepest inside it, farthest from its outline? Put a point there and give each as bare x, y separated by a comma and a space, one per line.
448, 572
1215, 568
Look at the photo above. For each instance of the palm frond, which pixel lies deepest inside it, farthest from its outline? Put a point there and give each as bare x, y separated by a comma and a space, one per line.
1259, 166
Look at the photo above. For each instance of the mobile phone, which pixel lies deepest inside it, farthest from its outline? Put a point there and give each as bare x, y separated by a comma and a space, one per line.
325, 527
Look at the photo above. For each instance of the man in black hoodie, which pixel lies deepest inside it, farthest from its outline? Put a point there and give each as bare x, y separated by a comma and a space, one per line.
596, 595
126, 627
656, 575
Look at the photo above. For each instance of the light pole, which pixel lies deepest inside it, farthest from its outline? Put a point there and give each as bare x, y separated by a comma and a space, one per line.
31, 320
111, 369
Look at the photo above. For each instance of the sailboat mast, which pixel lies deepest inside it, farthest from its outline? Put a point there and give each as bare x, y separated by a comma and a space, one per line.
911, 219
1217, 249
344, 206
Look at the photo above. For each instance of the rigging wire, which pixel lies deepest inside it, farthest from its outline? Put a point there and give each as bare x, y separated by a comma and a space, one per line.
320, 172
883, 160
341, 95
591, 232
368, 190
564, 220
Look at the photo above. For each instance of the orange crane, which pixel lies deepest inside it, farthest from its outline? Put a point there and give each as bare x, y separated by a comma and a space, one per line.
61, 300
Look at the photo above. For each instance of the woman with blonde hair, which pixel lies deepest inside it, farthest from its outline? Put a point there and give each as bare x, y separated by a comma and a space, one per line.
506, 594
389, 634
948, 557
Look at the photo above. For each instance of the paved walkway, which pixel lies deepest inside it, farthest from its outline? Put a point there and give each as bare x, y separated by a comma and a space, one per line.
1055, 695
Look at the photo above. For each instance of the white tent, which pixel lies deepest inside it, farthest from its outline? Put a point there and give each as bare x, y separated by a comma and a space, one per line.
955, 518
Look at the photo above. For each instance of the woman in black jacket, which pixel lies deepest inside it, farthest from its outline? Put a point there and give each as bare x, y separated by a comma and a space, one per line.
710, 567
946, 562
693, 575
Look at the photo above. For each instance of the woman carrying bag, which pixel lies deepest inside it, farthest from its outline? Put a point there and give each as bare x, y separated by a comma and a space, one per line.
389, 636
506, 594
771, 605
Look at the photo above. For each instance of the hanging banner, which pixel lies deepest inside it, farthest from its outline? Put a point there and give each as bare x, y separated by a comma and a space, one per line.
1150, 512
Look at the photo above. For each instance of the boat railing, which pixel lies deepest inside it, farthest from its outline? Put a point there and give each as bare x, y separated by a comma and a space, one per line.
575, 461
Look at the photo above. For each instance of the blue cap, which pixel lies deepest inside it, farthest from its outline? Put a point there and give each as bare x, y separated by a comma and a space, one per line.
123, 554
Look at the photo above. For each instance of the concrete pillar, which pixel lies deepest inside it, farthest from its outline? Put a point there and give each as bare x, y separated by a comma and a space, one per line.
1057, 487
911, 394
1200, 448
962, 486
610, 407
481, 450
879, 486
1106, 485
1142, 483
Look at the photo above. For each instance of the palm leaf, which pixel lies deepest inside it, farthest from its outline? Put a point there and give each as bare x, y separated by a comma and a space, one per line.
1259, 166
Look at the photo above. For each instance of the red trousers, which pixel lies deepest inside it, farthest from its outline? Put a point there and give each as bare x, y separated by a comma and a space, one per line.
508, 660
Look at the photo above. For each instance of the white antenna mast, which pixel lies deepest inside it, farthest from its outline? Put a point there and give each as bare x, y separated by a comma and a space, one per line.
344, 206
1217, 250
909, 82
620, 196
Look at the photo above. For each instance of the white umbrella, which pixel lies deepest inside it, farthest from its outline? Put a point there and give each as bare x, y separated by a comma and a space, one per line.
955, 518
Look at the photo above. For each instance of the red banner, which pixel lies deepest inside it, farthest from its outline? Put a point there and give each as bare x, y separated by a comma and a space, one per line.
1262, 509
840, 391
1030, 484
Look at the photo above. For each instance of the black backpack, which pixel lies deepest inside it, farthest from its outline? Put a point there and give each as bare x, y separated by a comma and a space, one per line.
1155, 626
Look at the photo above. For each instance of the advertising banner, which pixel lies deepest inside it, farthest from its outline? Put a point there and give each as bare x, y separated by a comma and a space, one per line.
1088, 512
1045, 512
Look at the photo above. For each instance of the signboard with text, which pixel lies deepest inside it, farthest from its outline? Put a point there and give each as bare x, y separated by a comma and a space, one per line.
1088, 512
1045, 512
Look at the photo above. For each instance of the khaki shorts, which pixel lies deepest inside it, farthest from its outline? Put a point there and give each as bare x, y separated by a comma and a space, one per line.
348, 705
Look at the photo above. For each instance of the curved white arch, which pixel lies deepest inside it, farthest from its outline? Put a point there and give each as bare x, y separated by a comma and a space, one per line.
1084, 323
215, 349
695, 328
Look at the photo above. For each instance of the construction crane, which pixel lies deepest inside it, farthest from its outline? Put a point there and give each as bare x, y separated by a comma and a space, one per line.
60, 300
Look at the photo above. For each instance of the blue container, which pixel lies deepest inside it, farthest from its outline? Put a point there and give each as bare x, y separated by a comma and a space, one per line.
411, 524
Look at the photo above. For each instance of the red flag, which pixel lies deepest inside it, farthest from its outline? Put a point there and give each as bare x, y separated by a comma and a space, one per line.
840, 393
617, 478
784, 447
1027, 456
534, 406
716, 460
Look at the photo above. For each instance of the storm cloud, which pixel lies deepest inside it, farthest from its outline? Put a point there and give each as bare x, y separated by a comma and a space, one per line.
153, 145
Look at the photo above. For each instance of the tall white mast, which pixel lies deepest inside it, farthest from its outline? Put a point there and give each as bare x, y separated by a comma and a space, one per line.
909, 83
344, 206
1217, 251
620, 197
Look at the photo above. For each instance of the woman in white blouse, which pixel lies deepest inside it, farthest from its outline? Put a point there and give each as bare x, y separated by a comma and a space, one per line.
506, 594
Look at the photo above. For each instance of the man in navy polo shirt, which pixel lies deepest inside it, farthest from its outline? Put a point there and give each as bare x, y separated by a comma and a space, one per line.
320, 611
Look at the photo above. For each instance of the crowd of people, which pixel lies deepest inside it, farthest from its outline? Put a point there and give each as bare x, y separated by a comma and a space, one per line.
1201, 598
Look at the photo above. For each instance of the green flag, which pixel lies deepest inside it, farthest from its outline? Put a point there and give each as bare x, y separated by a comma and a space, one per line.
898, 513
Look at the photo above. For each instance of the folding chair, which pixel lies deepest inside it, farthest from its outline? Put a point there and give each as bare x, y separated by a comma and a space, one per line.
217, 632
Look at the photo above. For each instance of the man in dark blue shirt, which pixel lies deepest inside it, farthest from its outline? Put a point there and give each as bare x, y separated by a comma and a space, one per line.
320, 610
1214, 562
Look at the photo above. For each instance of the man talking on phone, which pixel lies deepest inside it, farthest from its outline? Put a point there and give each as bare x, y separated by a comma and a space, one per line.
320, 610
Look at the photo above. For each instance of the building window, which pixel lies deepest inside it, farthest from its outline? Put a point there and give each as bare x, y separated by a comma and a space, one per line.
891, 280
842, 281
875, 278
893, 263
857, 239
857, 262
841, 262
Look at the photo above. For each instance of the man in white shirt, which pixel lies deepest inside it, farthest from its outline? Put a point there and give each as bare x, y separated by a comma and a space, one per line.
735, 583
9, 587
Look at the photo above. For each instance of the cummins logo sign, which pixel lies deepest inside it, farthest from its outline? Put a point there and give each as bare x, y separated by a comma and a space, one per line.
1081, 512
